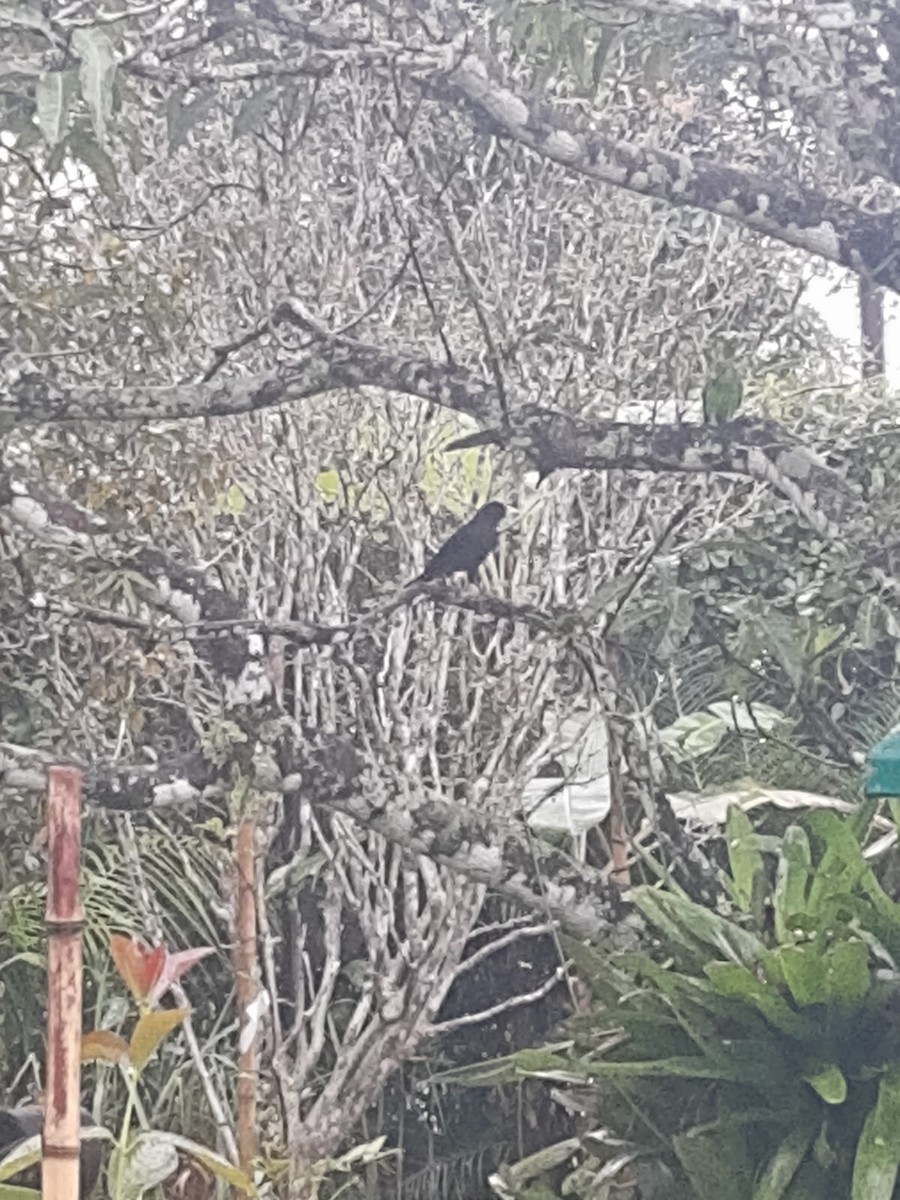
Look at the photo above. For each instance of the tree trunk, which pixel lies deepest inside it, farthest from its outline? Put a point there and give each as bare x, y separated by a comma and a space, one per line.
871, 328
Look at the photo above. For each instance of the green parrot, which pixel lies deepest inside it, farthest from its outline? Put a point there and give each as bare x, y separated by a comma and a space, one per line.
722, 395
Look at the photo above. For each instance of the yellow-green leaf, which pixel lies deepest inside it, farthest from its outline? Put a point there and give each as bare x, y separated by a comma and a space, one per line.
150, 1031
235, 500
878, 1151
328, 485
829, 1083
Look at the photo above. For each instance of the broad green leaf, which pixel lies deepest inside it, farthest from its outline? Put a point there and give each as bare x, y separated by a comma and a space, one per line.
843, 869
150, 1030
98, 70
705, 737
83, 147
328, 485
849, 977
53, 93
744, 858
878, 1150
726, 937
732, 979
829, 1083
718, 1164
806, 973
148, 1160
9, 1192
783, 1165
235, 500
791, 879
25, 1155
751, 1062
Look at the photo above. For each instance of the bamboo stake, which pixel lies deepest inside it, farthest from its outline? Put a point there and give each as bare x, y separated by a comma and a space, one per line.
60, 1167
246, 983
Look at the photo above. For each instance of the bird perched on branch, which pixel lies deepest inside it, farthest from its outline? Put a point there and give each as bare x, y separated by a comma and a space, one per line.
467, 548
722, 396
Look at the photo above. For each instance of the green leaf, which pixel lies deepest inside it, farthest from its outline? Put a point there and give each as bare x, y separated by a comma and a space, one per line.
689, 920
849, 978
146, 1162
150, 1030
83, 147
878, 1150
235, 500
791, 879
744, 858
98, 71
53, 94
806, 973
783, 1165
328, 485
25, 1155
739, 982
718, 1165
705, 736
829, 1083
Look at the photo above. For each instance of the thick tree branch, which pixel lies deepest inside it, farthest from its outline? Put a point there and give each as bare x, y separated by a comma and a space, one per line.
334, 774
549, 438
828, 228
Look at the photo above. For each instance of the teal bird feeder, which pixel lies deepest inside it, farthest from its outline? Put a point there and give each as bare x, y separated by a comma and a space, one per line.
883, 775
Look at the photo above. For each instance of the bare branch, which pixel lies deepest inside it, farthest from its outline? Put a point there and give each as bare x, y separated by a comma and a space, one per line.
504, 1006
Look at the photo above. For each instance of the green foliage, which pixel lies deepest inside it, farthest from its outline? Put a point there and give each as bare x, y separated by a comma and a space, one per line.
722, 395
758, 1050
556, 37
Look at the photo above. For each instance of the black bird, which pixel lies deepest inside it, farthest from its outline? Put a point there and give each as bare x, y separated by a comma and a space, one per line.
467, 548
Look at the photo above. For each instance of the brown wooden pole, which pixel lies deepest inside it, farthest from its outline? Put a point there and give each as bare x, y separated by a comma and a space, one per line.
246, 985
619, 841
62, 1081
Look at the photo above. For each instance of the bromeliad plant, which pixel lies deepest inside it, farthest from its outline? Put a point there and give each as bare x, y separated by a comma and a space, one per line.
141, 1159
753, 1055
